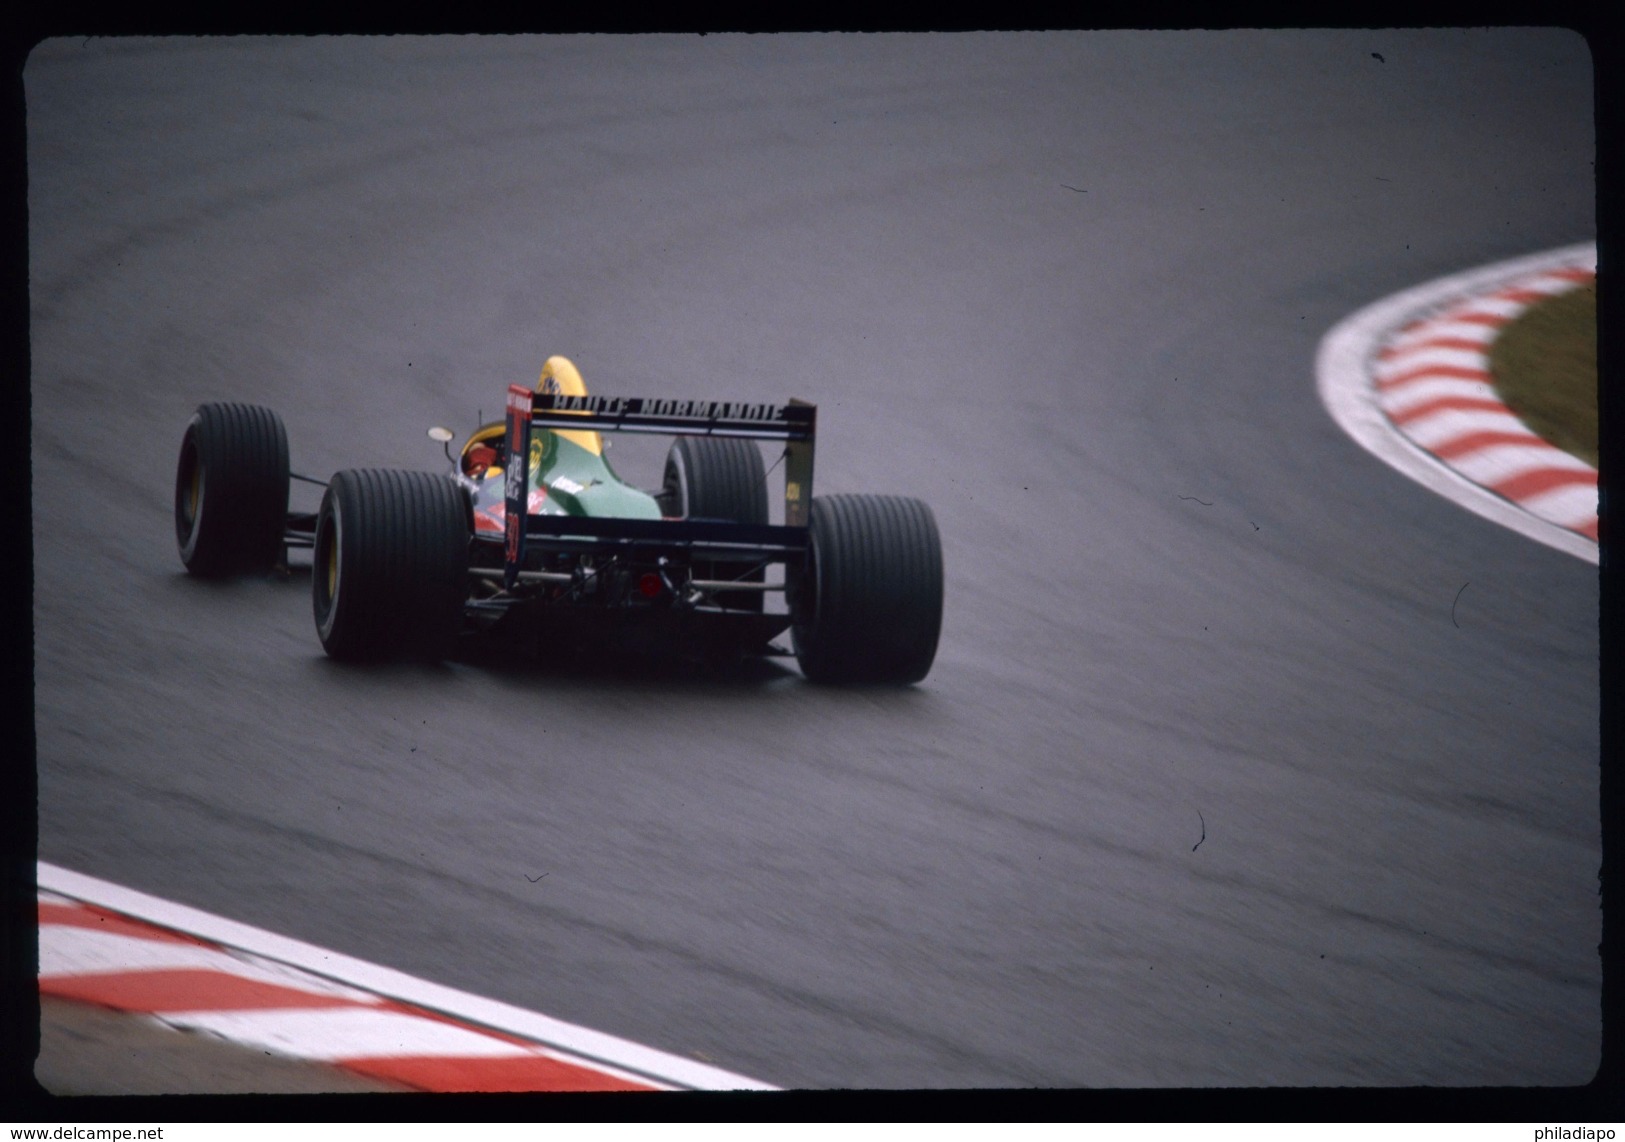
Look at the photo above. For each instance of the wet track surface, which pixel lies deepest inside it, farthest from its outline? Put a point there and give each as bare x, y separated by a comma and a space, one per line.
1215, 782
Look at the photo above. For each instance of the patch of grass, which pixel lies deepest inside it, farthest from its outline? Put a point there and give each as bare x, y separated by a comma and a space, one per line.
1545, 368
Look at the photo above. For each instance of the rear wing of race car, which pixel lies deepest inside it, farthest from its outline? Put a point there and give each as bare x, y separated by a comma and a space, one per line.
794, 423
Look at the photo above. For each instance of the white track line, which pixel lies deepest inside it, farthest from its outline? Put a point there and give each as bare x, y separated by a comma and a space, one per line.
266, 957
1383, 341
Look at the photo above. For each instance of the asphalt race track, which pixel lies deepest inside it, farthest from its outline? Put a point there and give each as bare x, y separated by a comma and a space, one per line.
1221, 777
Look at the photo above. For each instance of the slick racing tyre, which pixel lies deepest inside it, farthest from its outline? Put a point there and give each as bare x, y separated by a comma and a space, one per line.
231, 491
718, 477
389, 573
867, 604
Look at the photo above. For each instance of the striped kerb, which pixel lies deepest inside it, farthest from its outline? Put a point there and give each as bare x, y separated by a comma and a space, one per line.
1432, 382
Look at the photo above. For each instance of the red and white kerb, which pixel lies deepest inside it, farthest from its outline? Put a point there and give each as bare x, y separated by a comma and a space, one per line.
93, 954
96, 956
1432, 382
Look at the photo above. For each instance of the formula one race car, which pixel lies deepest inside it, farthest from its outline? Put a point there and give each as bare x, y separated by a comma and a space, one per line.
531, 530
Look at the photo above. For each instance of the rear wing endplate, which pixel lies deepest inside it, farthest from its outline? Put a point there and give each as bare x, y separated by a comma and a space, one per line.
794, 423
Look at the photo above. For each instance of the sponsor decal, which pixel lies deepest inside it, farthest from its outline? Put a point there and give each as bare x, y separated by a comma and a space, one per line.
513, 489
659, 406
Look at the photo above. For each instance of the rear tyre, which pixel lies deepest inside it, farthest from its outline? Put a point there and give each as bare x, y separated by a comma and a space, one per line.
867, 604
389, 573
718, 477
231, 491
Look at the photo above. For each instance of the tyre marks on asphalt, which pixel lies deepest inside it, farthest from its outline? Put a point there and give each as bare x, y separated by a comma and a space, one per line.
105, 945
1409, 379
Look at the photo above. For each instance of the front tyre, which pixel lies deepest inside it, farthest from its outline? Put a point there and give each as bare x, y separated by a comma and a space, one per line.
718, 477
231, 491
867, 604
389, 572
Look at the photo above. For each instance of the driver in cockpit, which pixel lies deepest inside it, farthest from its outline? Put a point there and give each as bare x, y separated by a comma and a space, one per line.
480, 459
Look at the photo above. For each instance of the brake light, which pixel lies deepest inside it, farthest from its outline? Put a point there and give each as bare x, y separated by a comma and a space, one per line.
649, 585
